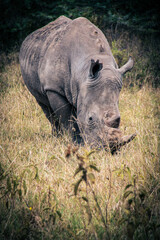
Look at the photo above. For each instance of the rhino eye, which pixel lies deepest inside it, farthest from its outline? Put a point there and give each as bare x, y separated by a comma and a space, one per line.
92, 122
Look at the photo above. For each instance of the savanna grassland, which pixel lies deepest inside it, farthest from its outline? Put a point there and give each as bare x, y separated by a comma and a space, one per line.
52, 189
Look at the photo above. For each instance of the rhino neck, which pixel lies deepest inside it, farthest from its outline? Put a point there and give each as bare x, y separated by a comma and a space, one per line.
79, 74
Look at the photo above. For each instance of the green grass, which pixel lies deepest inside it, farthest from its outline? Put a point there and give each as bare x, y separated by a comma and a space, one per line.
37, 180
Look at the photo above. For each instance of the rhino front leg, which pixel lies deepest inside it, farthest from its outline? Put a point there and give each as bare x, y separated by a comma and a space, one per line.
61, 108
65, 113
50, 116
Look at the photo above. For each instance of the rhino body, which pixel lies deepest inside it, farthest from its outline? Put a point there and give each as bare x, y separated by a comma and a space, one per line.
69, 68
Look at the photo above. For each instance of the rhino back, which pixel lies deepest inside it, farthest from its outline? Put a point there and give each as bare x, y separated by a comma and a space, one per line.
34, 48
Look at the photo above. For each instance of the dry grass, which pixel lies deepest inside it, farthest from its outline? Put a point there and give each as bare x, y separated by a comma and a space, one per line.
37, 185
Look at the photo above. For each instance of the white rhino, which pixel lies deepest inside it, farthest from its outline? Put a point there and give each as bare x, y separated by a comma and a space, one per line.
69, 68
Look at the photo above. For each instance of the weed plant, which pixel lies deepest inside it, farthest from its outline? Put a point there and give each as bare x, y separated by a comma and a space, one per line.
52, 189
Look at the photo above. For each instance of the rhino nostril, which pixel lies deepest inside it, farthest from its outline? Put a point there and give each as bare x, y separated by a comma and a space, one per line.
118, 120
114, 123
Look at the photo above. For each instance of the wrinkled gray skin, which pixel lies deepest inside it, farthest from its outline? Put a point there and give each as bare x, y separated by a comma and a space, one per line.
69, 68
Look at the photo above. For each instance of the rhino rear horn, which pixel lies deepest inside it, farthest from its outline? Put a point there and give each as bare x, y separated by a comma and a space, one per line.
128, 66
95, 68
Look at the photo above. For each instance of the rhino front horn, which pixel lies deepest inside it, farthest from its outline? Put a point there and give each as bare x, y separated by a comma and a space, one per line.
127, 139
127, 67
121, 142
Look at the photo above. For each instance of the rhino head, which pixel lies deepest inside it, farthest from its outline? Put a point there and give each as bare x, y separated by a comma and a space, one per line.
97, 108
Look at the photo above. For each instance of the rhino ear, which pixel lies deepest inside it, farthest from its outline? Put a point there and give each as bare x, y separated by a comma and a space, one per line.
128, 66
95, 68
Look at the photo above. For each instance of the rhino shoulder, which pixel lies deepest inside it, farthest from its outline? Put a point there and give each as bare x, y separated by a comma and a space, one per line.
90, 37
84, 26
62, 18
81, 20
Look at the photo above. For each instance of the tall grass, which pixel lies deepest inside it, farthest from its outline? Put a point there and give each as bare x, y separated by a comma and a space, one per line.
37, 182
